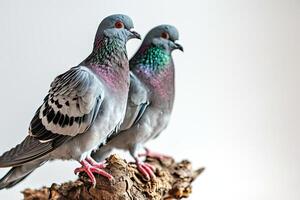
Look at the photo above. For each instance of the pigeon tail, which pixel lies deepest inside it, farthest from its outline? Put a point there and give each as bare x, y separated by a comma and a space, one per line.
30, 149
17, 174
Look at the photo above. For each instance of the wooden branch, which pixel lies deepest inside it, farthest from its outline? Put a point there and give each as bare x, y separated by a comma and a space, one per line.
173, 181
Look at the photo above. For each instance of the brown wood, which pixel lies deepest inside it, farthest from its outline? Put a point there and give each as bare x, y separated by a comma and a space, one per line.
173, 181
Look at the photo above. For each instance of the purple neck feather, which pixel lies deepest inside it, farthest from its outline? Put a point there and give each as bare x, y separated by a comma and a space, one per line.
109, 61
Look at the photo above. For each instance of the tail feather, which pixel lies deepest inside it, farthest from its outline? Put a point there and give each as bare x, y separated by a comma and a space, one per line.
30, 149
17, 174
7, 185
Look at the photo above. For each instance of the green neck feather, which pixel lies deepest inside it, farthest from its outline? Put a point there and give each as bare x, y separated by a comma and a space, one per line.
107, 51
153, 58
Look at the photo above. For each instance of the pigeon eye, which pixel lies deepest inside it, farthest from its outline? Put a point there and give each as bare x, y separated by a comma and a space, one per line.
165, 35
119, 24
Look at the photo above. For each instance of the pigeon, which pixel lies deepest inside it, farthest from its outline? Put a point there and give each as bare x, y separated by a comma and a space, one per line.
83, 107
150, 99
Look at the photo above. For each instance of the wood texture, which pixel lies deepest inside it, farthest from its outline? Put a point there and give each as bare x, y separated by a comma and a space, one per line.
173, 181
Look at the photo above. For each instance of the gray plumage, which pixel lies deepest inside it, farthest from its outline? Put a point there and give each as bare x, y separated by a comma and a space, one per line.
83, 106
151, 93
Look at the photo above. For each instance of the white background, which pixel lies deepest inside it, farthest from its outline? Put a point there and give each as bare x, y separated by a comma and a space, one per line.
237, 86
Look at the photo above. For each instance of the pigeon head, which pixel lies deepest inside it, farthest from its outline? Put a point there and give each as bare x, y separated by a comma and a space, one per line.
163, 36
117, 26
154, 55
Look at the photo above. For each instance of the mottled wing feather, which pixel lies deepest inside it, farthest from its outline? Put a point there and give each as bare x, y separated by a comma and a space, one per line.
70, 107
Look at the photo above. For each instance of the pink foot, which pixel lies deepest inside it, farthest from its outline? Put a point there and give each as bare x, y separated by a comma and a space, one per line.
90, 169
100, 165
153, 154
146, 169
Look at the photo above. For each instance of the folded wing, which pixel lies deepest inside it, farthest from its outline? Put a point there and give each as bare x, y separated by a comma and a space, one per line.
69, 109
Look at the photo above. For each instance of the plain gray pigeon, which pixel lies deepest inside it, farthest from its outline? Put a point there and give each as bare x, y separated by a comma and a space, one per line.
83, 107
151, 96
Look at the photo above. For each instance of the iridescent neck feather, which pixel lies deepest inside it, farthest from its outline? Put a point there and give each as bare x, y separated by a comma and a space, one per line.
109, 61
107, 52
155, 67
151, 59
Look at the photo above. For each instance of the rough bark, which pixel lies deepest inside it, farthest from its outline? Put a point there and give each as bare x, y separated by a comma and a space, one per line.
173, 181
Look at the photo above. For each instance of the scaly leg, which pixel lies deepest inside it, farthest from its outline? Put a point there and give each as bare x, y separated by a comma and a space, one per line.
145, 169
100, 165
89, 169
153, 154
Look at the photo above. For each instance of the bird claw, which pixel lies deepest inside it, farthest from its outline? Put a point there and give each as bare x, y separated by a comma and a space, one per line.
153, 154
89, 169
146, 170
100, 165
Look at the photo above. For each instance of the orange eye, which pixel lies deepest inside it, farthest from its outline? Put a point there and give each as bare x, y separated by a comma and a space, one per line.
119, 24
165, 35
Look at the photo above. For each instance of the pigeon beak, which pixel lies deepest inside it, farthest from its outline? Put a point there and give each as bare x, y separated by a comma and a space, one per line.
178, 46
135, 35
